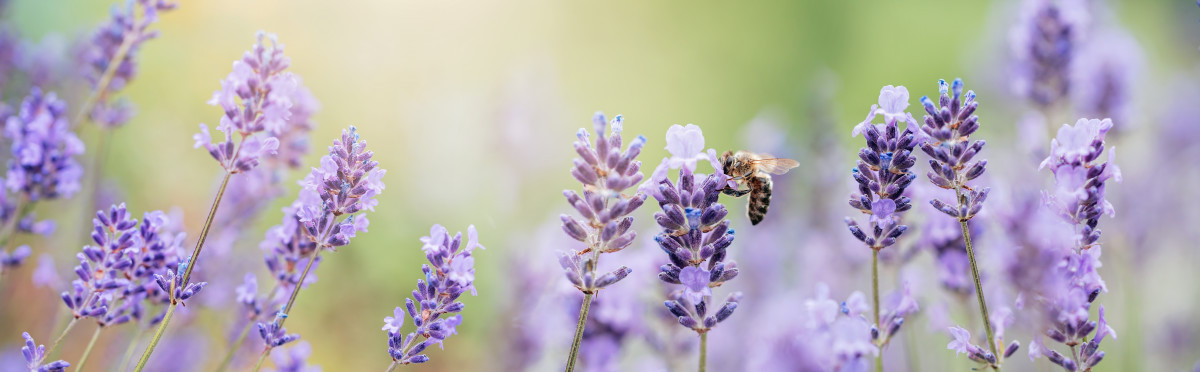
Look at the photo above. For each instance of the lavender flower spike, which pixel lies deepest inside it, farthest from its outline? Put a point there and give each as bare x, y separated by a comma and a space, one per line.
1044, 42
949, 125
111, 57
1079, 200
449, 274
606, 172
695, 236
330, 210
256, 98
35, 354
883, 173
44, 150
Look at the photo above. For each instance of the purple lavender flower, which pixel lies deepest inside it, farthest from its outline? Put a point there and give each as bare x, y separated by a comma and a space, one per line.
949, 126
1104, 76
9, 261
257, 98
130, 265
686, 146
883, 171
694, 232
120, 38
43, 164
329, 211
1044, 41
35, 355
1079, 201
296, 359
452, 273
605, 173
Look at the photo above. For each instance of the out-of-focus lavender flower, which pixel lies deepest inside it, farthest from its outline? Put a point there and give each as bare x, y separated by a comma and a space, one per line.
605, 173
884, 171
825, 336
1079, 200
1043, 43
296, 359
1104, 76
452, 273
43, 164
46, 274
257, 99
35, 355
9, 261
949, 125
694, 232
119, 38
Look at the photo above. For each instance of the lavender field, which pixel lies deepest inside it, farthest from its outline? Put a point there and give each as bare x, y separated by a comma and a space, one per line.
537, 185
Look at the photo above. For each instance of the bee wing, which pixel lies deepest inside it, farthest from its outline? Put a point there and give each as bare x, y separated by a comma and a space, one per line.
776, 165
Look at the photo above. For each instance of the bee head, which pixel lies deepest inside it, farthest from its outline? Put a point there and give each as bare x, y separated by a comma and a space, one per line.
727, 161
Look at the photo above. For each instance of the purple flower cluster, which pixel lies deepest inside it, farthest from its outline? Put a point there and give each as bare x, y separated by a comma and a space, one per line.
961, 343
324, 216
605, 172
1078, 200
296, 359
949, 126
1044, 42
449, 274
694, 232
120, 37
257, 98
43, 149
35, 355
883, 171
130, 266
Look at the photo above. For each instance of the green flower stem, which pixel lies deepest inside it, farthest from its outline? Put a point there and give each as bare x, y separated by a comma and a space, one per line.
212, 212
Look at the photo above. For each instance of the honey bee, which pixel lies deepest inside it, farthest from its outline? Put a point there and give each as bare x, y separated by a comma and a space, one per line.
754, 170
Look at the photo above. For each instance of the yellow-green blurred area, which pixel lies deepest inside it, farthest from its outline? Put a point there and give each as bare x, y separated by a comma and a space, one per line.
472, 107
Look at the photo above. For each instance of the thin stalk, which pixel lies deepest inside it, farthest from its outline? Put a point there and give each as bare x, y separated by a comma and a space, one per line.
62, 335
292, 300
101, 87
7, 232
88, 350
703, 351
258, 365
393, 366
236, 345
191, 265
133, 342
157, 336
987, 324
583, 315
875, 293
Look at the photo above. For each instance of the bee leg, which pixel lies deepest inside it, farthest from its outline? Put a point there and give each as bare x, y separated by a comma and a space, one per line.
735, 192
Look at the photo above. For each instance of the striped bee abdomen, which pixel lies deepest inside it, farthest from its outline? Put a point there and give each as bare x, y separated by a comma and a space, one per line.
760, 197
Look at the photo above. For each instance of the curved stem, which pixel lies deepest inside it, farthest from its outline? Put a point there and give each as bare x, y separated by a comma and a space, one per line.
393, 366
703, 351
62, 335
237, 344
875, 295
88, 350
191, 265
133, 342
583, 314
987, 324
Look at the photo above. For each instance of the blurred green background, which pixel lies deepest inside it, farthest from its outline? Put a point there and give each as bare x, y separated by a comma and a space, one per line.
471, 107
